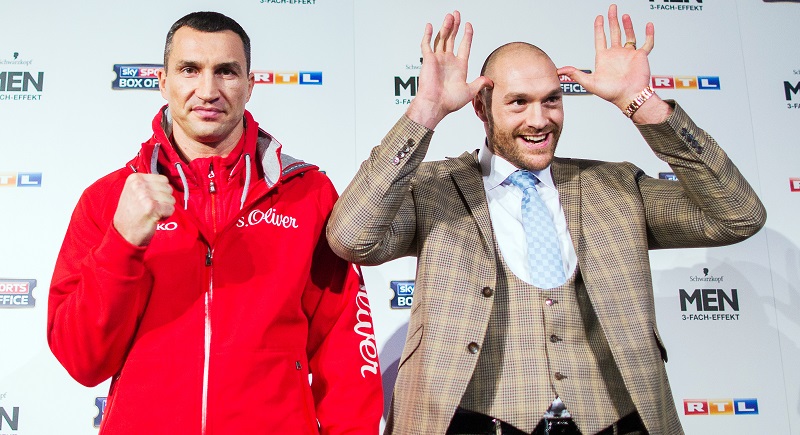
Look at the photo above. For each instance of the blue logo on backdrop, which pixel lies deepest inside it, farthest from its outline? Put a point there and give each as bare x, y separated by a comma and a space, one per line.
100, 403
403, 294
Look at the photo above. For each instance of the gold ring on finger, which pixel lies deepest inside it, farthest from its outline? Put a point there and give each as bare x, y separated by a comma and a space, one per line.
631, 43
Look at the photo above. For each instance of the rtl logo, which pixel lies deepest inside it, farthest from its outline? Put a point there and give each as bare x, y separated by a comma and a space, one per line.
794, 184
720, 406
288, 77
20, 179
685, 82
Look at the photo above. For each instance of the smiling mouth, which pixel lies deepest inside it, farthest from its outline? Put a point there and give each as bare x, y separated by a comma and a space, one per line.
535, 139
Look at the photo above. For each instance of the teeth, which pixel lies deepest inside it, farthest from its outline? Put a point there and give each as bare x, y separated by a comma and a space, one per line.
535, 139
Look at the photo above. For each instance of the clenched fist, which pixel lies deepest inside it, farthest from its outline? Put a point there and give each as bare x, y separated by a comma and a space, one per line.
145, 200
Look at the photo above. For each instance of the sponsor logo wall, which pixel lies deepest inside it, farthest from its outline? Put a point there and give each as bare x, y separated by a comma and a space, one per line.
331, 80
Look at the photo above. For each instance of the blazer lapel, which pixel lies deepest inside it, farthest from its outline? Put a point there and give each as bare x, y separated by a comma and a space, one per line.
467, 177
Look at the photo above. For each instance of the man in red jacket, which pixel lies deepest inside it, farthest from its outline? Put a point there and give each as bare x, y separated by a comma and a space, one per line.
198, 277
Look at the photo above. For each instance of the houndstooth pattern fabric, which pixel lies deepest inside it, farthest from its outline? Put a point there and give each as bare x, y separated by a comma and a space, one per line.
545, 264
397, 205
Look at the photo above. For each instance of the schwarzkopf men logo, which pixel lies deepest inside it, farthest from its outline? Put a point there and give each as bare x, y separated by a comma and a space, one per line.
17, 293
696, 303
20, 85
290, 2
705, 277
16, 60
682, 5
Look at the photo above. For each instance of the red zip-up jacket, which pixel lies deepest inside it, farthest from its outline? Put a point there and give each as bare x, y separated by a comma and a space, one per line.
218, 322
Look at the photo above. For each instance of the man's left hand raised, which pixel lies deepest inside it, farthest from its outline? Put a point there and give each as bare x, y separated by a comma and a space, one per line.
622, 70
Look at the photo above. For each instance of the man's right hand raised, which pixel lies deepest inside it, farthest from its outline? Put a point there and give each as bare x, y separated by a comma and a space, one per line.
145, 200
443, 86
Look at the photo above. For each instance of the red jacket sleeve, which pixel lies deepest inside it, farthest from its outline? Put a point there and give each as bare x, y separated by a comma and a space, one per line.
98, 292
343, 354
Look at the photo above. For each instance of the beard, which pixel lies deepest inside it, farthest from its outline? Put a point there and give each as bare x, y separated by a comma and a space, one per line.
503, 143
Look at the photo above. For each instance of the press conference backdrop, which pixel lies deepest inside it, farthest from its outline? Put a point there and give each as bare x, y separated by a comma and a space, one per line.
77, 97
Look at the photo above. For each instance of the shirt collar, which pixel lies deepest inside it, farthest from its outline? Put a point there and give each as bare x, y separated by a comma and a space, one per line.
496, 169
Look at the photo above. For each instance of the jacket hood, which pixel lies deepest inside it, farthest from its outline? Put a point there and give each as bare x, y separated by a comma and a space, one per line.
158, 156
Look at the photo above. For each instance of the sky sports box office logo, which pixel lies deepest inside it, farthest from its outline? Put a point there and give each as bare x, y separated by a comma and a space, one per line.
136, 76
17, 293
403, 294
20, 179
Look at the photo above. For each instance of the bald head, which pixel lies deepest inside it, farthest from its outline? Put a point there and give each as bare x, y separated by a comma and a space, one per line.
510, 51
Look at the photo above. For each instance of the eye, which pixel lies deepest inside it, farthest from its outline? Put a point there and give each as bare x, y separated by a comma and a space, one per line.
227, 72
189, 70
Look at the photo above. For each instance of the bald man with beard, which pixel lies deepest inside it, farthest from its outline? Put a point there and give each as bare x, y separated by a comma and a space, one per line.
533, 307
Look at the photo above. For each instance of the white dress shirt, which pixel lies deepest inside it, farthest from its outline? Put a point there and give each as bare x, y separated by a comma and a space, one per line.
505, 210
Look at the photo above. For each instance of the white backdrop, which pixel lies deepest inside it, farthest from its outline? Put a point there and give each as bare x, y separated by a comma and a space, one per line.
733, 348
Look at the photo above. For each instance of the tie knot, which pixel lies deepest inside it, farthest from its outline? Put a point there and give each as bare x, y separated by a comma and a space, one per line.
523, 179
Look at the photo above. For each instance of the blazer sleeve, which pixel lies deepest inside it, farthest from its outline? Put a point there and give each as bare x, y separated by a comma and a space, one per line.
374, 220
711, 204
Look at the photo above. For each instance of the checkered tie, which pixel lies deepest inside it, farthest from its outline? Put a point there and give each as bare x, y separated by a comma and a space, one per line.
544, 252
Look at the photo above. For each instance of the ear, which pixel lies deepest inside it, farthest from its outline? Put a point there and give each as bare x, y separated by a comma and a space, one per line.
161, 74
251, 82
479, 104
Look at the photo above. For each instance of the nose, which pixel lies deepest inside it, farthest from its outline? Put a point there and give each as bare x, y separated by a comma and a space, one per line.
535, 116
207, 87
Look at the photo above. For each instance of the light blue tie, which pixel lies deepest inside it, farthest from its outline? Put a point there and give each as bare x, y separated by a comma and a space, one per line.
544, 252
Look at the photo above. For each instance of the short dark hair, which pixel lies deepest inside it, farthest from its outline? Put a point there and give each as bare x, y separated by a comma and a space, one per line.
210, 22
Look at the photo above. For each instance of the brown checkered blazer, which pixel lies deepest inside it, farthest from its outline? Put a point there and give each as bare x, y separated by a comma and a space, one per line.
398, 206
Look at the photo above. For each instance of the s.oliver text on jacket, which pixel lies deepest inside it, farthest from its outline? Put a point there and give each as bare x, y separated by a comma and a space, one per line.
369, 351
271, 216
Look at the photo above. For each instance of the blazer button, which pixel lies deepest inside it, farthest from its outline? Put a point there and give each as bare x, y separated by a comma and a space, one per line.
410, 142
473, 348
559, 376
554, 339
549, 302
488, 292
396, 160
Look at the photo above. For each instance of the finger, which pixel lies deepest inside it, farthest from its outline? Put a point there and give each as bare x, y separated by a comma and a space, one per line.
627, 25
613, 26
478, 84
164, 209
650, 41
599, 34
440, 43
466, 42
426, 39
451, 39
575, 74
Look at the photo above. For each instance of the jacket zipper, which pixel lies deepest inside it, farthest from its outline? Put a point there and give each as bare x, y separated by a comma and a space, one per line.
207, 334
212, 190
